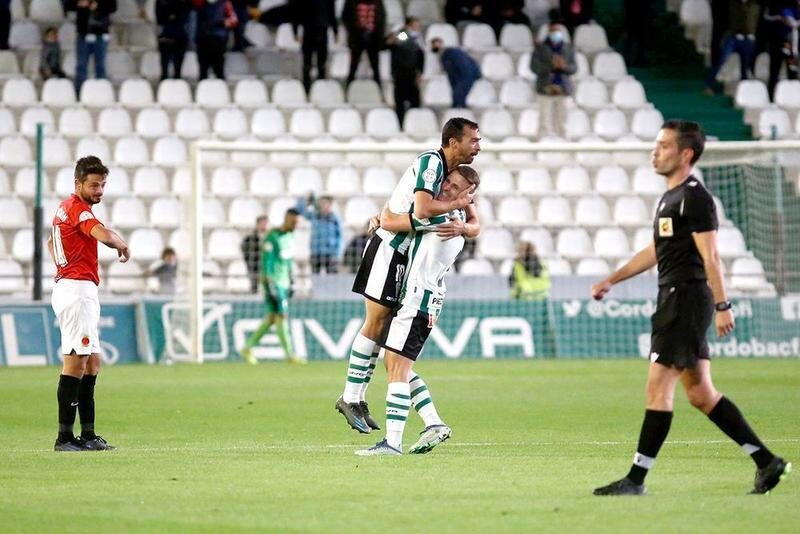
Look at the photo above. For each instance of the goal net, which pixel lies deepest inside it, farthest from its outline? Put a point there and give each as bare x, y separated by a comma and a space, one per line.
585, 208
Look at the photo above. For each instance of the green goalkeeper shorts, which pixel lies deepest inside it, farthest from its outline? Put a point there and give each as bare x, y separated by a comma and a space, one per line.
276, 298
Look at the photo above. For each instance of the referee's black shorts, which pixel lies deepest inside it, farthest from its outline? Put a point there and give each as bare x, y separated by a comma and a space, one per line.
680, 323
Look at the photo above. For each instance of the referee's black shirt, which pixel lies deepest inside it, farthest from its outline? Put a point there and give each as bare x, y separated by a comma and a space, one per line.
682, 210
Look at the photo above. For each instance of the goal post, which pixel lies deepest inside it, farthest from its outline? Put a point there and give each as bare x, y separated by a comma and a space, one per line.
753, 180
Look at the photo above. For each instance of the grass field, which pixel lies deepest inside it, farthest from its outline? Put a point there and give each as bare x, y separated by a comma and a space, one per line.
227, 447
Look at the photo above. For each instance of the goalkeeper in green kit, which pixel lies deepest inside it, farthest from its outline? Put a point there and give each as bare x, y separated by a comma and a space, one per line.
276, 275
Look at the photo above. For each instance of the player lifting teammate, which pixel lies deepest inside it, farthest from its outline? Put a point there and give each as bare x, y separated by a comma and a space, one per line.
381, 272
73, 247
690, 288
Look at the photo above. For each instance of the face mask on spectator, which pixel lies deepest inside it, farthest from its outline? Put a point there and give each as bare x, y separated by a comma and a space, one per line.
556, 37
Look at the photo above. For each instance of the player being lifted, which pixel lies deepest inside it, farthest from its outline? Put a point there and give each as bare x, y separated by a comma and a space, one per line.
382, 269
690, 289
73, 247
422, 297
276, 275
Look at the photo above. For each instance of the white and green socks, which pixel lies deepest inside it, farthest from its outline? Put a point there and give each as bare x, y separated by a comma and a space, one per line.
373, 360
398, 404
422, 401
358, 370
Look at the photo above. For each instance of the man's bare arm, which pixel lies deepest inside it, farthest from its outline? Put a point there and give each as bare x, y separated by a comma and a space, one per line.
641, 261
111, 239
706, 243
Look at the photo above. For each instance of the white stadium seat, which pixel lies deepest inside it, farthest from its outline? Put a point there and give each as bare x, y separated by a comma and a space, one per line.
75, 122
516, 93
573, 180
97, 93
25, 182
212, 94
611, 243
496, 181
213, 278
128, 212
554, 211
528, 123
174, 93
787, 94
213, 213
515, 211
126, 277
11, 276
497, 66
268, 123
326, 94
93, 146
131, 151
496, 244
9, 66
170, 152
277, 209
612, 180
496, 123
250, 93
343, 181
227, 182
426, 11
524, 67
421, 123
15, 151
224, 245
166, 212
574, 243
378, 181
24, 35
381, 123
191, 123
631, 211
591, 93
15, 214
135, 93
8, 125
609, 66
642, 238
730, 242
628, 93
364, 94
358, 210
345, 123
751, 94
576, 124
535, 181
288, 93
120, 66
437, 93
478, 37
446, 32
33, 115
774, 123
306, 122
516, 37
237, 277
748, 274
230, 123
592, 211
147, 243
646, 123
19, 92
590, 38
114, 122
610, 123
303, 180
476, 267
592, 267
46, 11
152, 123
482, 94
150, 182
541, 238
243, 211
58, 93
647, 182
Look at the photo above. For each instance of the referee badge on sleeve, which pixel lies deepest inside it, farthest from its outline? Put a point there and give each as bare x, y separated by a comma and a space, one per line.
665, 227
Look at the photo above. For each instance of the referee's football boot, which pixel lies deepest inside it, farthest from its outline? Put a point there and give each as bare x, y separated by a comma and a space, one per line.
623, 486
372, 423
382, 448
352, 413
769, 476
97, 443
430, 438
73, 445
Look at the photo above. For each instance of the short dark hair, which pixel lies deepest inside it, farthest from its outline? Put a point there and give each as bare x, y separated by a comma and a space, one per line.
469, 174
411, 20
89, 165
292, 211
168, 251
690, 135
261, 218
454, 129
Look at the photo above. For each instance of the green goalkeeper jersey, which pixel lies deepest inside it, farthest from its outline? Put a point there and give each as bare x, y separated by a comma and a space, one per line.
276, 257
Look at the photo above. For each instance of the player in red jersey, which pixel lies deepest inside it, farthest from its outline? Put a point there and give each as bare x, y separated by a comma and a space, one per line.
73, 247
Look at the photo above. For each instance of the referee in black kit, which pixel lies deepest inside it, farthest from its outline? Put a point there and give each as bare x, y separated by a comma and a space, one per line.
690, 289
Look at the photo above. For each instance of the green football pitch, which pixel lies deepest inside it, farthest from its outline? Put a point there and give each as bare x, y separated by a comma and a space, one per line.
229, 447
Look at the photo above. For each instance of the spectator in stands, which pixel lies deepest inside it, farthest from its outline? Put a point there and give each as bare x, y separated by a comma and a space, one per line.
501, 12
5, 23
637, 21
355, 249
50, 58
215, 18
326, 232
529, 279
166, 270
315, 16
719, 25
577, 12
251, 251
241, 8
142, 10
408, 61
783, 17
553, 62
740, 38
273, 16
462, 71
365, 21
93, 24
172, 17
464, 11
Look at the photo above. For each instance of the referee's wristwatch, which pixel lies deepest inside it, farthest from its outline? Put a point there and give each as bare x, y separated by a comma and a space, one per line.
725, 305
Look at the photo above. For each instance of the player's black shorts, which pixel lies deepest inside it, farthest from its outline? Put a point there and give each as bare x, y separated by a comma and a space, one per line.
381, 273
406, 332
680, 323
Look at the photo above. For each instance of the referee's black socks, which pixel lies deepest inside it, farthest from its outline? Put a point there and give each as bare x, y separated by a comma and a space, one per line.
731, 421
86, 406
67, 406
655, 428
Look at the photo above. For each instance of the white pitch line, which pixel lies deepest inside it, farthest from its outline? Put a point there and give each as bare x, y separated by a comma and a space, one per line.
312, 448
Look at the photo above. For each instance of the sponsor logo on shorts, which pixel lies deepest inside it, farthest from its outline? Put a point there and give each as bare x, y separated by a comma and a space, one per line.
85, 341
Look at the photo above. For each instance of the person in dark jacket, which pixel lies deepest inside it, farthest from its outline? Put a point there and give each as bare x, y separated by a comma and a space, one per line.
251, 251
782, 18
462, 71
172, 17
315, 17
214, 19
553, 62
408, 60
5, 23
740, 38
93, 24
464, 11
50, 58
365, 21
576, 12
355, 249
326, 232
